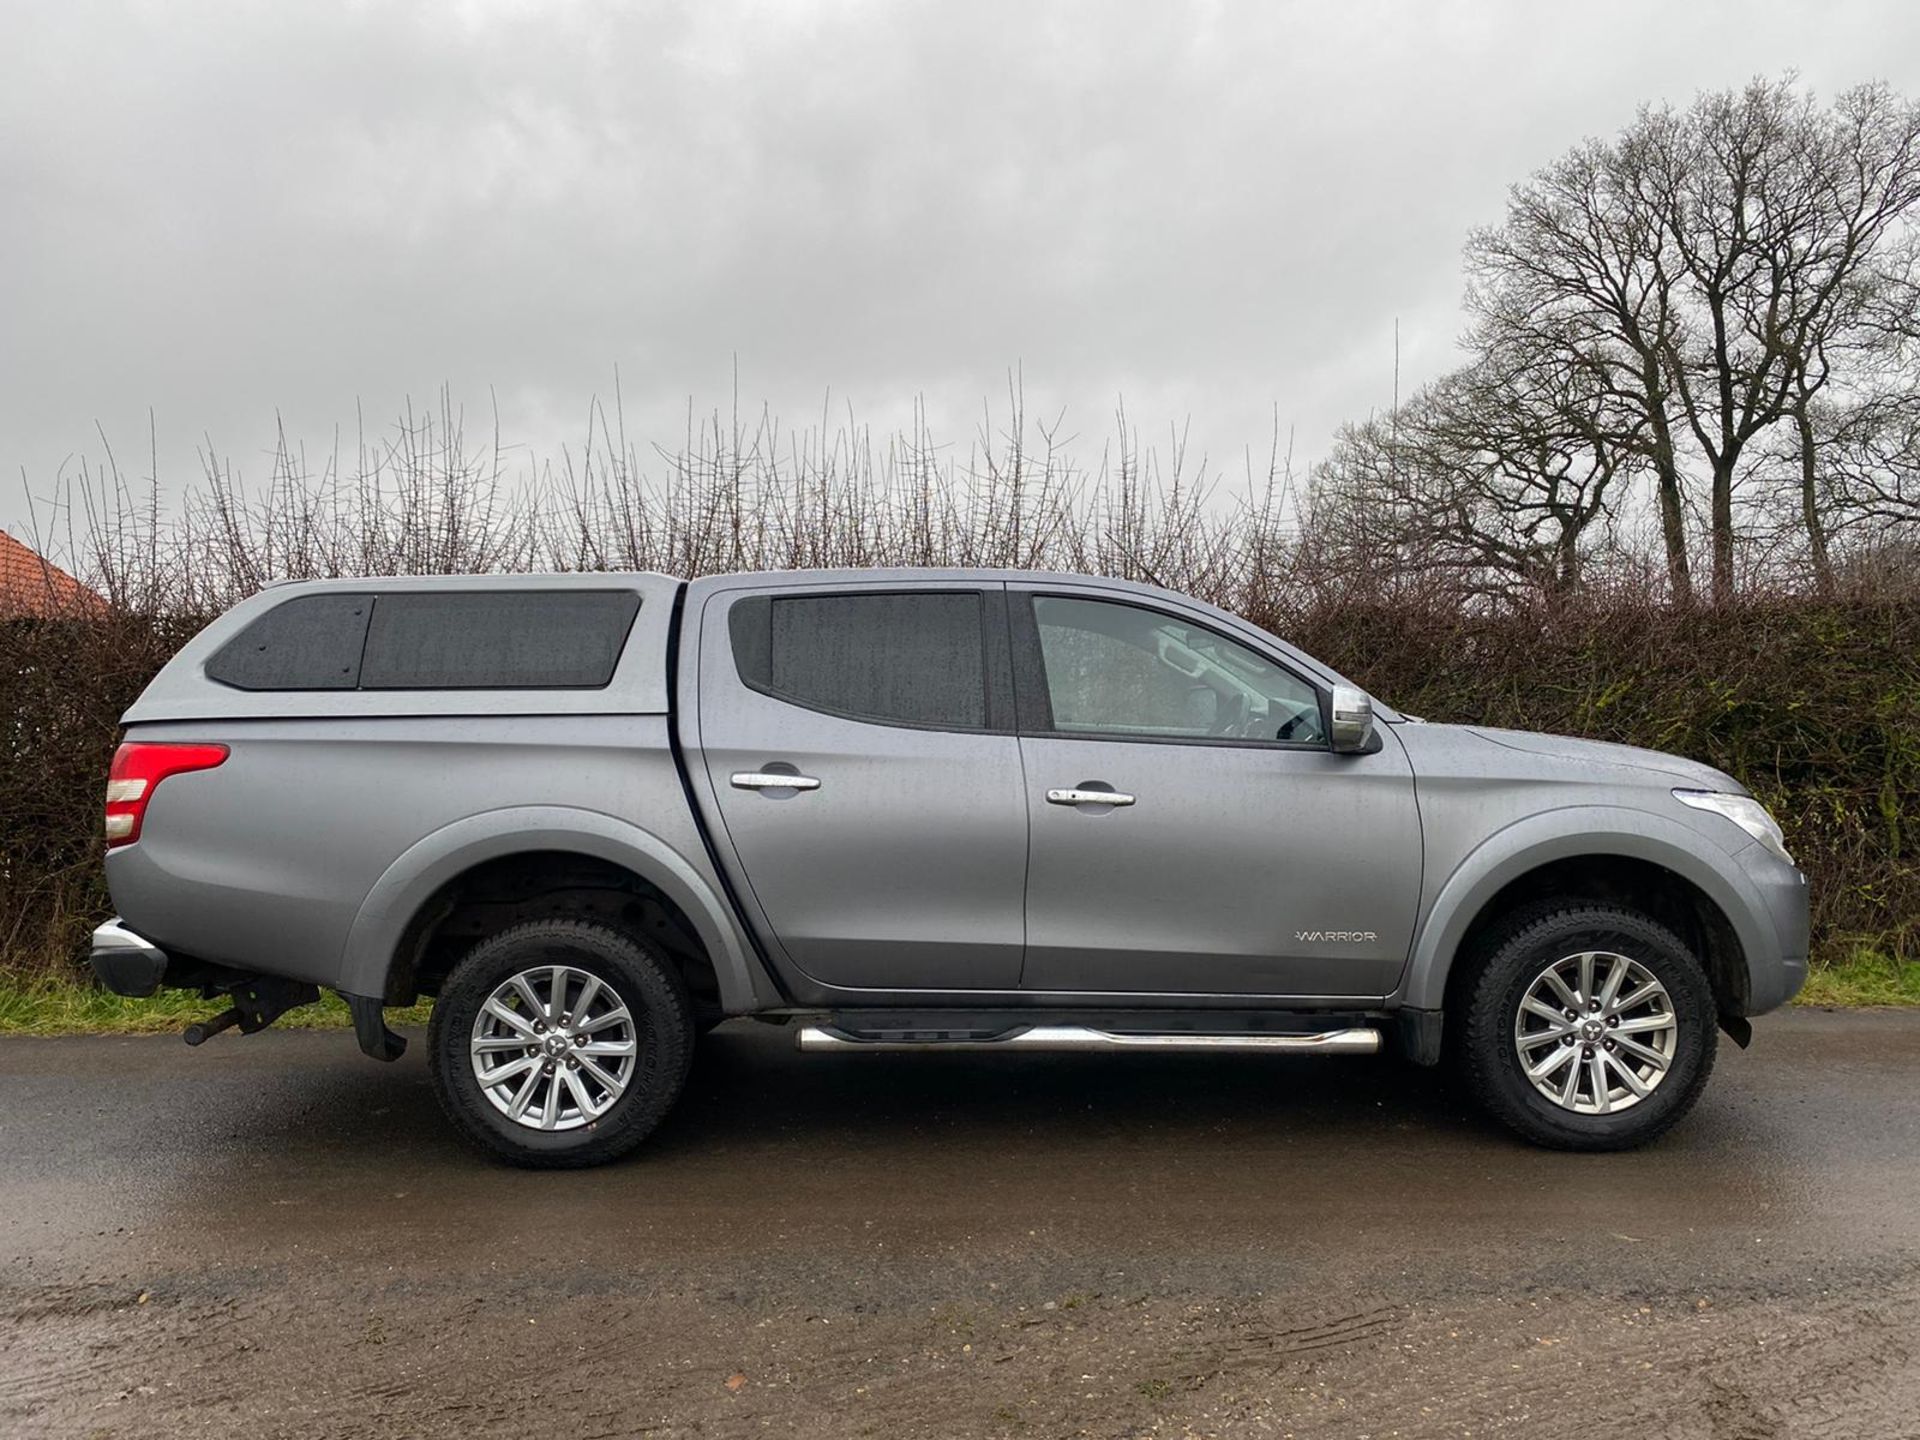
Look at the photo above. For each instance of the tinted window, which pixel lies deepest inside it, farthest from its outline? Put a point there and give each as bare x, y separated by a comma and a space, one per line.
432, 640
911, 658
312, 642
497, 639
1124, 670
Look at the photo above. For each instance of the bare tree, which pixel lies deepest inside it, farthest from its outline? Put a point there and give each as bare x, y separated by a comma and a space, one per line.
1579, 270
1497, 475
1872, 459
1716, 268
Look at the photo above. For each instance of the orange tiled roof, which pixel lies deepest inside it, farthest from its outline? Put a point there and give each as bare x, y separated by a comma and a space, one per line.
30, 585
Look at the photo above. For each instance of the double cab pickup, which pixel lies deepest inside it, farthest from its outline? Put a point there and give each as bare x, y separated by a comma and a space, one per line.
593, 815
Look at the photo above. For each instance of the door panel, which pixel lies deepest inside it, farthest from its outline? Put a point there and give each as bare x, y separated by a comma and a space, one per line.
905, 867
1239, 856
1224, 874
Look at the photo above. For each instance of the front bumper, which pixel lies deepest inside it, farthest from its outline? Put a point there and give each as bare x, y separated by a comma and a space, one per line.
1776, 974
125, 962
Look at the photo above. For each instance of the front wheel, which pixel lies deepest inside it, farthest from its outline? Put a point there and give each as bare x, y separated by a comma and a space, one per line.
1589, 1028
560, 1043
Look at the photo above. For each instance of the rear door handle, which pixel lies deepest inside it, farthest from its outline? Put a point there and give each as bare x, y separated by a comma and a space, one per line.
1088, 797
768, 780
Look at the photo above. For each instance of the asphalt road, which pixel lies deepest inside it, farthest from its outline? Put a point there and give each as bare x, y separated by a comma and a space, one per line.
274, 1237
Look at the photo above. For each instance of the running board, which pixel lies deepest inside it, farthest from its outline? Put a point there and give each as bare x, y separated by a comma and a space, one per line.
1068, 1038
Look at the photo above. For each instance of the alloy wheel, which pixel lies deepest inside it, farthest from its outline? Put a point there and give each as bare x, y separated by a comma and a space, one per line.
1596, 1032
554, 1047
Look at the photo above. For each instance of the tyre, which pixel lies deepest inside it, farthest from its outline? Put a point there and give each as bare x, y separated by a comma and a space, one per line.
560, 1043
1588, 1027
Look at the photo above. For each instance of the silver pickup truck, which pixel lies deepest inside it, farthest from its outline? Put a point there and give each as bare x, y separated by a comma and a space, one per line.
910, 810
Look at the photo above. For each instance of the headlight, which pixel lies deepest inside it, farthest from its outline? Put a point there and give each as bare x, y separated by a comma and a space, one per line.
1743, 810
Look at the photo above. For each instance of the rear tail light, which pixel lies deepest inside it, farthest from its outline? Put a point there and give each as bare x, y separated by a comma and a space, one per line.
138, 769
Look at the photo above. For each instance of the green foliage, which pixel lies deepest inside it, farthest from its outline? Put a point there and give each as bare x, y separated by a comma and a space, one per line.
1811, 704
1865, 977
64, 683
65, 1006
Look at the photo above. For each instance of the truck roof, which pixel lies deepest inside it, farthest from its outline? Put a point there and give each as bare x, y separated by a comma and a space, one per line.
183, 690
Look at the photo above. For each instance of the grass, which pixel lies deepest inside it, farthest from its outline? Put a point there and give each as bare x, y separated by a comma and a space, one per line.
1865, 979
64, 1007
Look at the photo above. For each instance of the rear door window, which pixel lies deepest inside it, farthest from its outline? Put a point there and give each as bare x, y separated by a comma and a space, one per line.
914, 658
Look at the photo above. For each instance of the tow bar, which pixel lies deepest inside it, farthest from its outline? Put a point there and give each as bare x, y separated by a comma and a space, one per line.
256, 1005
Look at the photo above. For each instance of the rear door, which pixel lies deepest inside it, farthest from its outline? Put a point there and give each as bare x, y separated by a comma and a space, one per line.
896, 857
1239, 855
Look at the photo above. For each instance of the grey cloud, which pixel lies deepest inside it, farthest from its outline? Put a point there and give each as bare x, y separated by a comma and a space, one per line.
223, 211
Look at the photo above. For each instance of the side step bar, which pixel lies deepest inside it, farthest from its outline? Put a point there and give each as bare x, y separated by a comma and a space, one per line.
1064, 1038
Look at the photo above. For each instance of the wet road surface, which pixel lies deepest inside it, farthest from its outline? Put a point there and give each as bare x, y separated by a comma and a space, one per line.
273, 1236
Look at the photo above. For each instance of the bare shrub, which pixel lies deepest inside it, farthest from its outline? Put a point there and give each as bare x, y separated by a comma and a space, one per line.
1808, 701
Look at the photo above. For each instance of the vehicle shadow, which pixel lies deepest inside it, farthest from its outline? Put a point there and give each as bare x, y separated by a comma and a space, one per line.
799, 1174
855, 1133
749, 1076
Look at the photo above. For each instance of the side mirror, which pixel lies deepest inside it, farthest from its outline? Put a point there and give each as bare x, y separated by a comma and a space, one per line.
1352, 732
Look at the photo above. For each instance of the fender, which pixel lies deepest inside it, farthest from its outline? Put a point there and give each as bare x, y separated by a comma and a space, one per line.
1526, 844
431, 862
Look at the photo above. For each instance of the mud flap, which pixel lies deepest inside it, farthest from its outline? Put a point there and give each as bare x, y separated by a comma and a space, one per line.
1418, 1033
370, 1028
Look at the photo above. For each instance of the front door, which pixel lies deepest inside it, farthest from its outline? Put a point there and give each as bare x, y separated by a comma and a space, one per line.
896, 859
1239, 855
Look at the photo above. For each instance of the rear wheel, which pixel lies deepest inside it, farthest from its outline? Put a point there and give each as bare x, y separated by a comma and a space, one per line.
560, 1043
1589, 1028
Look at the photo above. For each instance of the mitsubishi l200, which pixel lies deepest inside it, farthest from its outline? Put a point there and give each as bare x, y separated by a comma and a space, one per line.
594, 814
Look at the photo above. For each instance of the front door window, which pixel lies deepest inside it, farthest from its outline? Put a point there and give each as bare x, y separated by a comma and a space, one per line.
1126, 671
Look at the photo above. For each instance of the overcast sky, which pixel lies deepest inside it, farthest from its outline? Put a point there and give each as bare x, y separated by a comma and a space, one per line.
223, 212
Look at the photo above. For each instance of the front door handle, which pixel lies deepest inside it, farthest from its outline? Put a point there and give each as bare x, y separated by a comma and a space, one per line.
1088, 797
771, 780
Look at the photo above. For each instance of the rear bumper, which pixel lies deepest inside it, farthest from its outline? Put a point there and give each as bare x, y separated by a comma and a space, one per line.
127, 963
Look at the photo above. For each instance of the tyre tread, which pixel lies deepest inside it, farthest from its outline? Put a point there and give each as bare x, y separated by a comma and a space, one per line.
651, 987
1484, 1053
